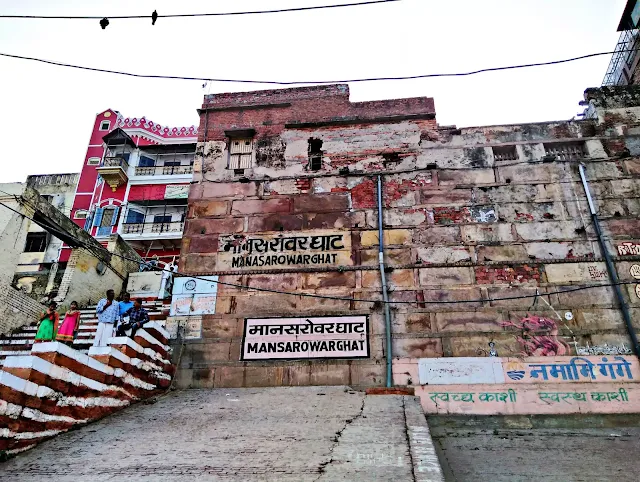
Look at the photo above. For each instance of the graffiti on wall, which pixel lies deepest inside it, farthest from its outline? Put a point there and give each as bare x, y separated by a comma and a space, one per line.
538, 336
629, 249
603, 350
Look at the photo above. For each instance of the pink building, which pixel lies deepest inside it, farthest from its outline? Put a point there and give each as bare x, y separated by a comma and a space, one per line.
135, 182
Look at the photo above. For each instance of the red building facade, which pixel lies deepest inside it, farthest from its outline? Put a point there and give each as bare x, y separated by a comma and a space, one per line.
135, 181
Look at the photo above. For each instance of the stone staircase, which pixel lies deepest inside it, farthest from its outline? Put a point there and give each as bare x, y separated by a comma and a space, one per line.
21, 340
49, 388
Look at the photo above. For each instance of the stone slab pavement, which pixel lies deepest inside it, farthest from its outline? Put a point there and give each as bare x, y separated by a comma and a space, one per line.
570, 448
267, 434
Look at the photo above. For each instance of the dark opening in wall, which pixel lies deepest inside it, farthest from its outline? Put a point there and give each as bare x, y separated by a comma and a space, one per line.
505, 153
36, 243
315, 154
565, 151
390, 159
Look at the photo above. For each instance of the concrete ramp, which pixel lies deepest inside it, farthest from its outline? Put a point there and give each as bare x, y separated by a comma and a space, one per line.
278, 434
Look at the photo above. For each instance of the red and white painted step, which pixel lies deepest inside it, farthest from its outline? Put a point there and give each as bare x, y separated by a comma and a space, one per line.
52, 387
21, 340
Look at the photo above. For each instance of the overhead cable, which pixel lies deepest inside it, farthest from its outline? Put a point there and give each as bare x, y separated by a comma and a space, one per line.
346, 298
182, 15
309, 82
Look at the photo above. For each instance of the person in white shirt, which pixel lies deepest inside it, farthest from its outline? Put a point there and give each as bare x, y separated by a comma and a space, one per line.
108, 311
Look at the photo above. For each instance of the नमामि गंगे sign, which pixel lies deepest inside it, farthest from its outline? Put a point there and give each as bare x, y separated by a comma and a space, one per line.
318, 248
305, 338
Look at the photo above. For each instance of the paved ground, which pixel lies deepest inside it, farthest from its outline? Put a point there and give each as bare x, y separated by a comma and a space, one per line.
559, 449
280, 434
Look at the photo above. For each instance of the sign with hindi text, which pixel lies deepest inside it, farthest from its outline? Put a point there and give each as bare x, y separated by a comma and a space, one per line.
320, 248
305, 338
194, 296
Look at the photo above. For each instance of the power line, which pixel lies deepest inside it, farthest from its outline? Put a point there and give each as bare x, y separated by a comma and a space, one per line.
309, 82
179, 15
345, 298
364, 300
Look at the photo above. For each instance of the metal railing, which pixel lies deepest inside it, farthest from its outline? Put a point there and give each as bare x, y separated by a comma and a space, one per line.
569, 151
505, 153
152, 228
115, 161
163, 170
622, 58
52, 179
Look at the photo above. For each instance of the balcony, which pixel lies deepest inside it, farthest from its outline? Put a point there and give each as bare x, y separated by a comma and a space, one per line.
163, 170
114, 171
171, 228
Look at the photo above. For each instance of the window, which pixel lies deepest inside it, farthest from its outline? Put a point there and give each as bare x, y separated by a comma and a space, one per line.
48, 198
36, 243
107, 217
93, 161
134, 217
505, 153
240, 153
163, 218
315, 154
80, 214
146, 162
565, 151
104, 125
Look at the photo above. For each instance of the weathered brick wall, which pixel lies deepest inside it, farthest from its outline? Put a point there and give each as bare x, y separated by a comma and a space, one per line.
17, 309
461, 226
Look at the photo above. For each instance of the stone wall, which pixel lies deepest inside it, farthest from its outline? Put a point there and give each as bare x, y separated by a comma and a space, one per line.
471, 216
88, 277
17, 309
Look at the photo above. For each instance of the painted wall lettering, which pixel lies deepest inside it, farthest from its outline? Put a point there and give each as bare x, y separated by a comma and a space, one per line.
320, 248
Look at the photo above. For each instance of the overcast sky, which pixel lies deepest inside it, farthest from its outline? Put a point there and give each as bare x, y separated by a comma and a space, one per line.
48, 112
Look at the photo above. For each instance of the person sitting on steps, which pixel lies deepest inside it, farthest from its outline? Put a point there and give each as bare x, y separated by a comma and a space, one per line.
138, 316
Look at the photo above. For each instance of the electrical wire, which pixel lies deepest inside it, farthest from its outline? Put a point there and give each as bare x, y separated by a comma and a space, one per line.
364, 300
180, 15
309, 82
345, 298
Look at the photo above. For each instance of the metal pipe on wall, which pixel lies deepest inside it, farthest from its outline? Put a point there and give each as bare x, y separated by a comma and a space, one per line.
385, 294
613, 275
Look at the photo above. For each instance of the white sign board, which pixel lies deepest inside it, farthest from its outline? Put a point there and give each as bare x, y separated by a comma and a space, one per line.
191, 325
305, 338
194, 296
176, 191
460, 371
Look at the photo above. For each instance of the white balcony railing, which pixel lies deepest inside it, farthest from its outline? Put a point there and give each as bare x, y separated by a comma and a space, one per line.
163, 170
153, 228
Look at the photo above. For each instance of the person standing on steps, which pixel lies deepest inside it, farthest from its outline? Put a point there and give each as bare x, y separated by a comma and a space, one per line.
108, 311
70, 325
48, 324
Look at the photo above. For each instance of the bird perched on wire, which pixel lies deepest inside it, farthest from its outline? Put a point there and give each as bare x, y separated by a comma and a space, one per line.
154, 17
104, 22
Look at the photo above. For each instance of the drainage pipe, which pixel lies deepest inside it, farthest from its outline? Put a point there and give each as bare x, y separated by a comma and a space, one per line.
613, 275
383, 277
